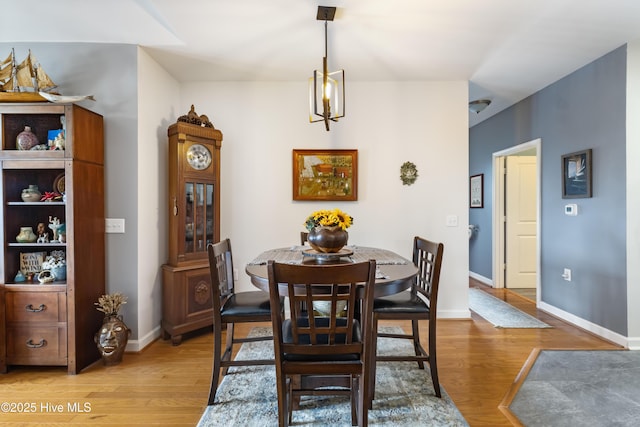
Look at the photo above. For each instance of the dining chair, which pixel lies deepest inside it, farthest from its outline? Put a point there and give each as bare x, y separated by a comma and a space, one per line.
418, 304
229, 308
304, 236
330, 349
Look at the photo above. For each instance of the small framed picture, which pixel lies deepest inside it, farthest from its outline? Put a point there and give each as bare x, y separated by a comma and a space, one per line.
31, 262
325, 175
576, 175
476, 191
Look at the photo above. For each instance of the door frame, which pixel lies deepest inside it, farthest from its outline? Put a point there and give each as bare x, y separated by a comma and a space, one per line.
499, 207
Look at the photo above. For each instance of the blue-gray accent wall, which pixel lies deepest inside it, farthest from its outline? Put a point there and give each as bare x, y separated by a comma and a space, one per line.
585, 109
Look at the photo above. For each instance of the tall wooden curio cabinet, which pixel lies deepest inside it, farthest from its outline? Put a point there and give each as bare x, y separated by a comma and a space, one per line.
48, 286
194, 222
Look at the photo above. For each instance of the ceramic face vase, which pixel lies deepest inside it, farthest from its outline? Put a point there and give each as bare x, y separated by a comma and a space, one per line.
112, 340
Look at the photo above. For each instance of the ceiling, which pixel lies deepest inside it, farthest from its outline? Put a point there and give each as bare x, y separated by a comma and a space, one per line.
506, 49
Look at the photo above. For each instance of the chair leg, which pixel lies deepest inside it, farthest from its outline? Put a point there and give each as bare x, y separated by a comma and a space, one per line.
288, 398
372, 367
416, 342
228, 348
363, 401
215, 377
433, 363
354, 400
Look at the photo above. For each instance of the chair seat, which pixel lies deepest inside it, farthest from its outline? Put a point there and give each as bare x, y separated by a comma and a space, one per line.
247, 304
403, 302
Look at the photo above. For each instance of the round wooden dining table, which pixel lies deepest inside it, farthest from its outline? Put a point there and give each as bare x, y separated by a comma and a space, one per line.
394, 273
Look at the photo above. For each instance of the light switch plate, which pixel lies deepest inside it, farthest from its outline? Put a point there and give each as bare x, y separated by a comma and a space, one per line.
452, 220
114, 225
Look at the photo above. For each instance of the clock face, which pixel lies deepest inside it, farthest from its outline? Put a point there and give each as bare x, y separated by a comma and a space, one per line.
198, 156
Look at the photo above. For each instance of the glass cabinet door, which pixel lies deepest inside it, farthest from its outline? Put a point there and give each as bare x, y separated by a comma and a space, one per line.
199, 220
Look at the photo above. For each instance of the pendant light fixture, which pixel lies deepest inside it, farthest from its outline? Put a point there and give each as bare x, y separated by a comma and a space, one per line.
326, 90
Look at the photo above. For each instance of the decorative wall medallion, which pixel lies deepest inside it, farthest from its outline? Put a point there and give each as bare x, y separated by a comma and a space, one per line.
408, 173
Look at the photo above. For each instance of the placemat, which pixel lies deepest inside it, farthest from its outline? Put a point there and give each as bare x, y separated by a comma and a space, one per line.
293, 255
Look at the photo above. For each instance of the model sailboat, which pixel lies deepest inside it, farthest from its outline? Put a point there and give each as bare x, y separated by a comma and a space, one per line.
28, 82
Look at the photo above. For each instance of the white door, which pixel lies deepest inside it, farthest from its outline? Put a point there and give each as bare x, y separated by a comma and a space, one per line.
521, 213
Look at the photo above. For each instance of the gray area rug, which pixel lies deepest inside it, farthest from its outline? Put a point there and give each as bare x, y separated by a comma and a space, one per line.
404, 395
499, 313
580, 388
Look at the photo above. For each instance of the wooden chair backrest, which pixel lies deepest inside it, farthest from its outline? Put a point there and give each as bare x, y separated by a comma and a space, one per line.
427, 256
304, 284
221, 269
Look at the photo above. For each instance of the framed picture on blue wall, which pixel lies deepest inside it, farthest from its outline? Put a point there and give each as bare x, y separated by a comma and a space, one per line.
576, 175
476, 191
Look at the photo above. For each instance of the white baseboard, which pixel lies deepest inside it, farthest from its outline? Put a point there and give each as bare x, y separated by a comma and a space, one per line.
598, 330
134, 346
481, 279
633, 343
454, 314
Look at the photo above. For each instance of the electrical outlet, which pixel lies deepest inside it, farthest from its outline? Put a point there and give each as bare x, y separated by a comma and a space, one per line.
235, 274
567, 274
452, 220
114, 225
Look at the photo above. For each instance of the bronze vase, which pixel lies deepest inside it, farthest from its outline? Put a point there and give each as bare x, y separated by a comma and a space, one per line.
328, 239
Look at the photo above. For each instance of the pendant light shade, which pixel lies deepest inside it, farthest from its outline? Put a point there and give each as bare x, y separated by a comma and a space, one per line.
326, 89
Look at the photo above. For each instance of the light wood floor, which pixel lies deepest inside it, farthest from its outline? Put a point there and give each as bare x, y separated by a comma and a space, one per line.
168, 386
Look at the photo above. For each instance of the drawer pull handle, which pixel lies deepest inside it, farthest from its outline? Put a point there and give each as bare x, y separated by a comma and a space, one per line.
35, 310
42, 343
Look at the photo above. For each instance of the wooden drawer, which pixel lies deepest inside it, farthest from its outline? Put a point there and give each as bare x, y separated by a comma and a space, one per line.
50, 307
37, 345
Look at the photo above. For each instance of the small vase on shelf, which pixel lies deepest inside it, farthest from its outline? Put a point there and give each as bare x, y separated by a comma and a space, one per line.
26, 139
31, 194
26, 235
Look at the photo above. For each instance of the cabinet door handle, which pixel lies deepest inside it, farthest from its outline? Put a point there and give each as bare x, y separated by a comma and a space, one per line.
30, 308
175, 207
42, 343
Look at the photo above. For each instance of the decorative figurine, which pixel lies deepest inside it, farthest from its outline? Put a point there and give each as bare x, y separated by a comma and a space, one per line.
43, 234
54, 225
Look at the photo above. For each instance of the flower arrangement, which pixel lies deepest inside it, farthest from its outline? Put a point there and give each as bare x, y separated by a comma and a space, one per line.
110, 304
328, 218
56, 259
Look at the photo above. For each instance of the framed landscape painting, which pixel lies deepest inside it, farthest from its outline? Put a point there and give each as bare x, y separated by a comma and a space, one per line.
576, 175
325, 175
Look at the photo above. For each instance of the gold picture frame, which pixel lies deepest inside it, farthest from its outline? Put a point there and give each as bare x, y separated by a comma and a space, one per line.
325, 175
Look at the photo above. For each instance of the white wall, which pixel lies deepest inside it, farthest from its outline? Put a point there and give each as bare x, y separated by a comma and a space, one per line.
633, 198
158, 95
388, 123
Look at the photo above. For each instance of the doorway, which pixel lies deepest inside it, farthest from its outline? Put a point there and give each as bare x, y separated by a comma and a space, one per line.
516, 218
